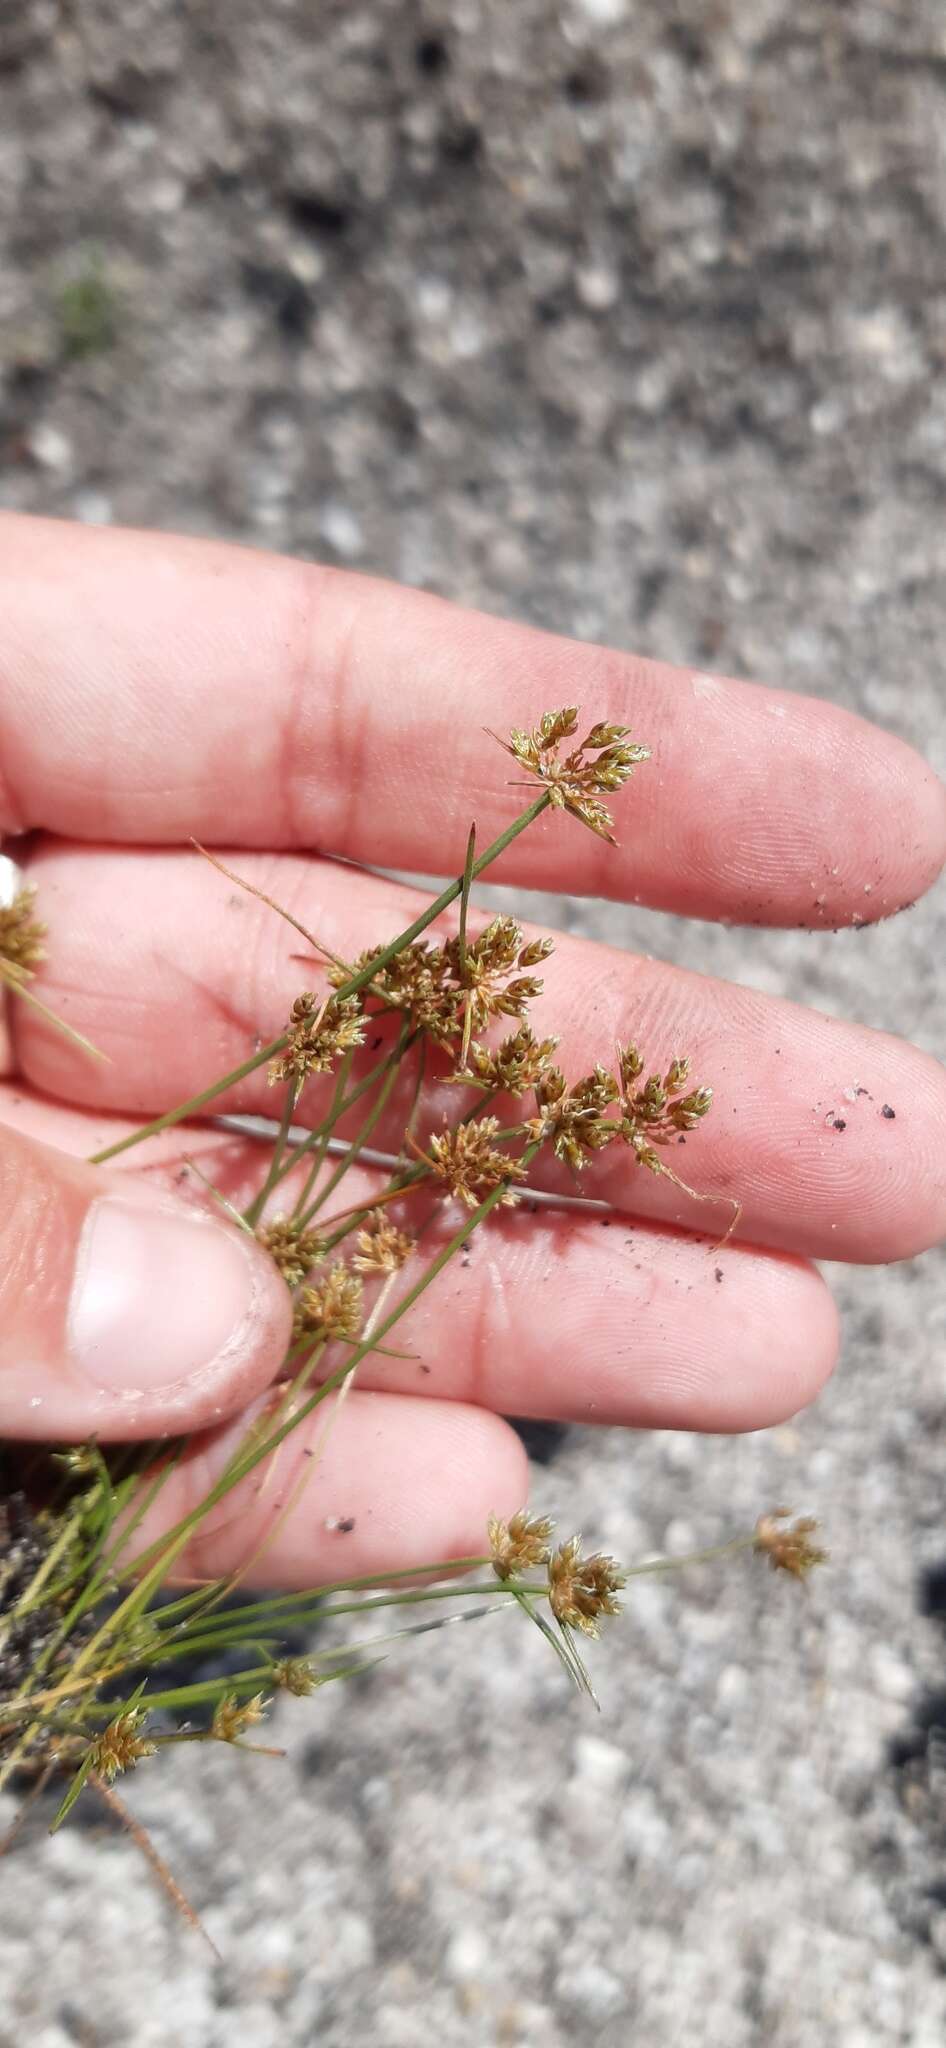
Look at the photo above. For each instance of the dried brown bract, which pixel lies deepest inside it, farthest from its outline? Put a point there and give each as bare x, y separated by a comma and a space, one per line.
598, 766
471, 1166
331, 1309
788, 1545
320, 1030
519, 1544
21, 935
582, 1589
292, 1248
381, 1247
121, 1745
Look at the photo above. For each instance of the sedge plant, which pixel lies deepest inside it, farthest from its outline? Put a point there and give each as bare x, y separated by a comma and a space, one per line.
95, 1636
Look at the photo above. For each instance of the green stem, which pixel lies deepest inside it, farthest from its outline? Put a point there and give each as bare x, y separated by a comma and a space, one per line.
318, 1142
314, 1137
349, 1158
255, 1210
193, 1105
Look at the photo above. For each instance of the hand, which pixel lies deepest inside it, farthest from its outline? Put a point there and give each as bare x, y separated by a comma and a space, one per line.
152, 689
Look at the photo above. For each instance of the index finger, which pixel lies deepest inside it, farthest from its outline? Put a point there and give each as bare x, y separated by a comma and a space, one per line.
153, 688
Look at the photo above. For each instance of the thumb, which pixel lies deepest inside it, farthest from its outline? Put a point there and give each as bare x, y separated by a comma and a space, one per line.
122, 1312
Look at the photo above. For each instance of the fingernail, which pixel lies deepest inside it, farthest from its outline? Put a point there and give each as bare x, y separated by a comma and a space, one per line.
159, 1297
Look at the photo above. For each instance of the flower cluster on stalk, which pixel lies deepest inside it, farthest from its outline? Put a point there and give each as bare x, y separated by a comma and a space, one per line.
320, 1029
293, 1248
788, 1545
121, 1745
576, 1122
21, 935
330, 1310
513, 1067
382, 1248
600, 764
470, 1166
580, 1589
451, 990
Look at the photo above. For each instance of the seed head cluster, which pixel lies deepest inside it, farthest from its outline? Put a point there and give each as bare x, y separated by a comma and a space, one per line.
582, 1589
296, 1675
788, 1545
470, 1166
661, 1110
519, 1063
448, 991
576, 1121
519, 1544
320, 1030
233, 1716
330, 1310
121, 1745
292, 1248
381, 1247
21, 935
600, 764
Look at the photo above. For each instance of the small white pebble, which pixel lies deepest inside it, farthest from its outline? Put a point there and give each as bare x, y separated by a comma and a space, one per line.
50, 447
341, 529
598, 288
601, 1765
467, 1955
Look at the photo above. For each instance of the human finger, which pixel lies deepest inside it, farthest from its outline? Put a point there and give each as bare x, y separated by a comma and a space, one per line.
572, 1317
153, 688
377, 1483
123, 1313
830, 1136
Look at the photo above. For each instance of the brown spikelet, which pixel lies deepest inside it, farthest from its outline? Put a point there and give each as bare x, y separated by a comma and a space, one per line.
21, 935
518, 1544
576, 782
292, 1248
471, 1166
331, 1309
582, 1589
381, 1247
788, 1545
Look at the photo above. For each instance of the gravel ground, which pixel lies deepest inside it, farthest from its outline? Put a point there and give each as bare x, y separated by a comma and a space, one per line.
629, 319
